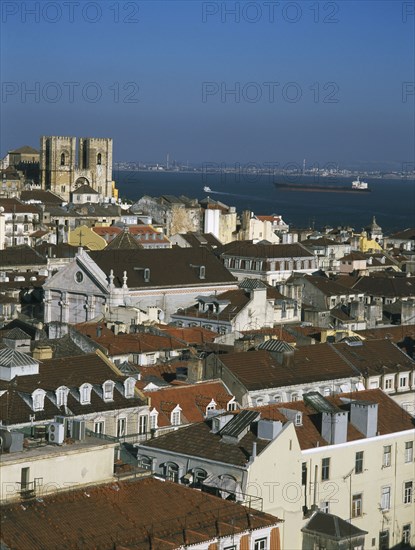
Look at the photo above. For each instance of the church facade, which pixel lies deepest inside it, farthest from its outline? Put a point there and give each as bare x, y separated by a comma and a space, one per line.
65, 165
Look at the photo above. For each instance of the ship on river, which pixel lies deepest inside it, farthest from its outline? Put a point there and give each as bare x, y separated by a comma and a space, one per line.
357, 186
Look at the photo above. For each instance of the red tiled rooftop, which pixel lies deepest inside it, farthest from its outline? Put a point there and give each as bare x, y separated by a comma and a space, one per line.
143, 514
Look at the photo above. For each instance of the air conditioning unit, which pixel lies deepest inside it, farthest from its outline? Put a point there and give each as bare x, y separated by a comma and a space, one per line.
78, 430
56, 433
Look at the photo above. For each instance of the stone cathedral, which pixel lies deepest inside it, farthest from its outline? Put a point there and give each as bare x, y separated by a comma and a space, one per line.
63, 169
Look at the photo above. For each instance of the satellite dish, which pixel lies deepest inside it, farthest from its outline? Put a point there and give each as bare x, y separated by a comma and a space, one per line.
161, 315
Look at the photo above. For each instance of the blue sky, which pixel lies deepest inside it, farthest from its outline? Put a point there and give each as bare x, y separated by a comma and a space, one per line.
320, 80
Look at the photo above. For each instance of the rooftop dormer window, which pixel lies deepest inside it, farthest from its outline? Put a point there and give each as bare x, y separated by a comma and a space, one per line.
38, 400
211, 406
129, 385
176, 416
108, 390
61, 396
85, 394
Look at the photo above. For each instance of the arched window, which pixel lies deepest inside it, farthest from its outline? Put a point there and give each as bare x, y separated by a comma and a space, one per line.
129, 385
146, 462
171, 471
199, 475
99, 157
38, 400
276, 398
63, 159
108, 390
176, 416
154, 419
85, 394
61, 396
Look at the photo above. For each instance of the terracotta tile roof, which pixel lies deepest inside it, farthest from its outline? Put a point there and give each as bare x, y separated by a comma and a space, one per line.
261, 369
192, 399
394, 333
391, 417
278, 332
53, 373
375, 357
190, 335
395, 287
144, 514
21, 255
198, 440
46, 197
15, 206
328, 286
140, 342
183, 266
248, 249
237, 298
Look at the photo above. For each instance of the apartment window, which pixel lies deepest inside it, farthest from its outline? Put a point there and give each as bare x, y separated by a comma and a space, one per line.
121, 427
387, 454
142, 424
298, 420
325, 469
231, 406
85, 394
357, 502
385, 499
409, 451
358, 463
403, 381
172, 472
406, 533
295, 397
388, 383
261, 544
99, 427
407, 492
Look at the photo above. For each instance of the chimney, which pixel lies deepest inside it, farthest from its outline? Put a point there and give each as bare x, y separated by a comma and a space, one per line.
42, 352
334, 427
364, 417
254, 452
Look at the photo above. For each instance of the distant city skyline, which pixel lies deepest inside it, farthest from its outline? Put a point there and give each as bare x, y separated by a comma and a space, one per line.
222, 82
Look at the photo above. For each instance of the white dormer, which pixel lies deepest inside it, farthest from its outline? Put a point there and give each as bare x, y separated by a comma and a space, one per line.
61, 395
211, 407
85, 394
176, 416
154, 416
129, 386
231, 405
38, 400
108, 390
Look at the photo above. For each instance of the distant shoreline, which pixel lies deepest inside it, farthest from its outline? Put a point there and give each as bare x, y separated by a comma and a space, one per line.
264, 173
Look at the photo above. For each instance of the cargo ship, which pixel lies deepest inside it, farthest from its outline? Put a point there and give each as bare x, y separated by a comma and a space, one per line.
357, 186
